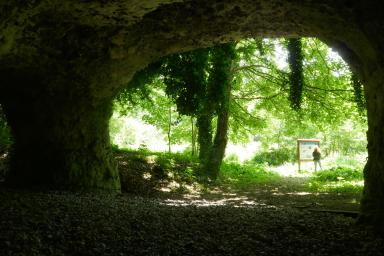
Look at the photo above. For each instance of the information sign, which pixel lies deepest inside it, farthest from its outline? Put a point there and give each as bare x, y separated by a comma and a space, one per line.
305, 149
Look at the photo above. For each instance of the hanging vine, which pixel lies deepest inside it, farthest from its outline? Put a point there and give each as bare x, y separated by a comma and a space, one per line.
296, 77
358, 92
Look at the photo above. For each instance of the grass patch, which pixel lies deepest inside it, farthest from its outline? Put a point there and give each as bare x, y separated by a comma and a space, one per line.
245, 175
339, 174
337, 180
274, 157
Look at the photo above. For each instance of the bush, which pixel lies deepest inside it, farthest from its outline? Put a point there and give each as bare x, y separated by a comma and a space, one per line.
182, 167
274, 157
232, 158
337, 180
338, 174
143, 172
244, 175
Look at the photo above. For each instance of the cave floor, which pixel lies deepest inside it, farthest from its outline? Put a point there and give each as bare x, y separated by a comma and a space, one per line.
278, 219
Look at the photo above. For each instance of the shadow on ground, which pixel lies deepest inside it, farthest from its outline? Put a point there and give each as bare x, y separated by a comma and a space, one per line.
269, 219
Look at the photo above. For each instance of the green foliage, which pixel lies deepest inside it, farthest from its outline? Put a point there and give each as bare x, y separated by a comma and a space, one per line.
337, 180
349, 139
260, 98
328, 111
137, 88
358, 93
338, 174
232, 158
185, 76
122, 133
156, 110
274, 157
199, 82
353, 161
144, 172
355, 187
145, 76
220, 77
245, 175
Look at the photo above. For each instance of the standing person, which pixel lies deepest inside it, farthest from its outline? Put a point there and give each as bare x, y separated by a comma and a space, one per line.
316, 157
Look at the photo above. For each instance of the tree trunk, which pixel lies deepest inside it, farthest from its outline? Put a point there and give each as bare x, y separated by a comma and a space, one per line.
193, 136
372, 204
169, 128
204, 137
219, 145
222, 77
60, 143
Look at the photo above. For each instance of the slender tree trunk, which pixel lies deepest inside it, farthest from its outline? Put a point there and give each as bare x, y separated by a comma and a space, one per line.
204, 137
219, 145
372, 204
193, 136
169, 128
223, 63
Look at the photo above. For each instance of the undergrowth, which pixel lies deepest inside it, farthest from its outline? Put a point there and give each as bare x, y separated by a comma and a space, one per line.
338, 179
145, 172
274, 157
245, 175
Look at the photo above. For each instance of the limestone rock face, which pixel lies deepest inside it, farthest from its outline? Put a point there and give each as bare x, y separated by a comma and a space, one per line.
121, 36
63, 61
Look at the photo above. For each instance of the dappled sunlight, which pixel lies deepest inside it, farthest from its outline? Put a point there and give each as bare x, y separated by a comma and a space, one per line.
151, 159
287, 193
278, 194
172, 178
124, 163
240, 201
147, 176
340, 186
299, 193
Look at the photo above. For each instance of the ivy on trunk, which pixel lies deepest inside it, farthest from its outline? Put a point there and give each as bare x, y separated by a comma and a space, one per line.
200, 84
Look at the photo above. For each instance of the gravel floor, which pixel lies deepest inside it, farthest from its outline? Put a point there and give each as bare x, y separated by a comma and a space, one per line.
58, 223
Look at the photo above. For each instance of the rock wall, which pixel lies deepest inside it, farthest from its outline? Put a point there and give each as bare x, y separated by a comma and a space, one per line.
63, 61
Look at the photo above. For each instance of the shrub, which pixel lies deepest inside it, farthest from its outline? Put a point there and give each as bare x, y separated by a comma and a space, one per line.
274, 157
143, 172
338, 180
232, 158
244, 175
338, 174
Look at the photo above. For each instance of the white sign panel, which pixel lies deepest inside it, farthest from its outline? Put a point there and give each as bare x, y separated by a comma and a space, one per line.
306, 148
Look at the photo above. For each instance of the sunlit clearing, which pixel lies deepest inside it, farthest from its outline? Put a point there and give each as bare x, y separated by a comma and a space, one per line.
129, 132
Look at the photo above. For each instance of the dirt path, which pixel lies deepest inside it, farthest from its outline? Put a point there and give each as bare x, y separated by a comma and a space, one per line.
288, 192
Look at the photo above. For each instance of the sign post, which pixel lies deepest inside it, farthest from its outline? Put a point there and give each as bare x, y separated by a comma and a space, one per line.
305, 148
